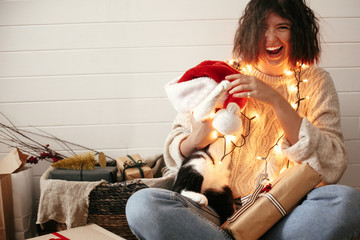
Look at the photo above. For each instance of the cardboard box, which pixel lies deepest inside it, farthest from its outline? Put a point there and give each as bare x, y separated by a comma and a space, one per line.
288, 190
6, 208
14, 161
132, 167
88, 232
98, 174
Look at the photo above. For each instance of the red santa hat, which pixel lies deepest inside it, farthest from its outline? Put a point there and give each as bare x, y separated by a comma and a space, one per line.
186, 92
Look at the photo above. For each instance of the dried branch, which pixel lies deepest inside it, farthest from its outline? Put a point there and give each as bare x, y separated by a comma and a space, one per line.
14, 137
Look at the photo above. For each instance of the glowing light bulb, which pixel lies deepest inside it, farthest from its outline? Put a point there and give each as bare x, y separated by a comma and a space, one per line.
214, 134
231, 61
283, 169
219, 162
288, 72
305, 80
259, 158
293, 88
294, 105
307, 97
249, 68
255, 115
212, 115
230, 138
277, 148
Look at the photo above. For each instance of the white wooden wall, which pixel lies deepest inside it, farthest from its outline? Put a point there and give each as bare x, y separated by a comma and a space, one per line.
92, 71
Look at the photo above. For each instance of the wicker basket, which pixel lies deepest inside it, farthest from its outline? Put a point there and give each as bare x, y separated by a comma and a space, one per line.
107, 206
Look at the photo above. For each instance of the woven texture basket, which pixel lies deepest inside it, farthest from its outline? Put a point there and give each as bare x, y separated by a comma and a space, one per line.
107, 206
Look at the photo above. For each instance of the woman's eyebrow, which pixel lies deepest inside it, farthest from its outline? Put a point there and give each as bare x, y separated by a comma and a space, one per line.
284, 23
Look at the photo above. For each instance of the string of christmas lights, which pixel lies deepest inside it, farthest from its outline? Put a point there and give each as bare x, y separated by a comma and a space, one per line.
296, 106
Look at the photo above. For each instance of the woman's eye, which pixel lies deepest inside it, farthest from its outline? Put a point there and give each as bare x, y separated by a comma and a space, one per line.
284, 28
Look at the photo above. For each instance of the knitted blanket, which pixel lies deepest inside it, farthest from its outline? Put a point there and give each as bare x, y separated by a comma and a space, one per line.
64, 201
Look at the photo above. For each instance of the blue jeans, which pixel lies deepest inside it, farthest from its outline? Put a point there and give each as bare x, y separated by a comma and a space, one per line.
329, 212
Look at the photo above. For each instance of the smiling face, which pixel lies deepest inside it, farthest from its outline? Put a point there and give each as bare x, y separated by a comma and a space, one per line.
275, 47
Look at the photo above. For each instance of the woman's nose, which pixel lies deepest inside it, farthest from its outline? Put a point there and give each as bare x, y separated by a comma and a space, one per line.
270, 36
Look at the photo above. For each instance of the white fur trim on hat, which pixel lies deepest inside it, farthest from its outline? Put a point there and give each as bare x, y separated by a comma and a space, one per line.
186, 96
206, 107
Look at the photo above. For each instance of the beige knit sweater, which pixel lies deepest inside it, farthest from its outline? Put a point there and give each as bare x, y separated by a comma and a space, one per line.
320, 138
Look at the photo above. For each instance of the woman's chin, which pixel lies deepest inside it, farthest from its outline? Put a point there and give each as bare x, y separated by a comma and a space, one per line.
273, 66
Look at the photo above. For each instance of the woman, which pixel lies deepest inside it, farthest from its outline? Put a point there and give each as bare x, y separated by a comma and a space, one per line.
274, 37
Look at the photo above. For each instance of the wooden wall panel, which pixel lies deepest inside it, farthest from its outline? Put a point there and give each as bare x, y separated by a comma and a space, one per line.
84, 87
81, 11
117, 35
101, 61
90, 112
346, 79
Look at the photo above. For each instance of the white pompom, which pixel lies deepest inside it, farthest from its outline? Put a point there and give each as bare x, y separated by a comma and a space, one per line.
227, 123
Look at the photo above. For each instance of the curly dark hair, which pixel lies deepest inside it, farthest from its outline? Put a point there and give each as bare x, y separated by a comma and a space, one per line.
304, 40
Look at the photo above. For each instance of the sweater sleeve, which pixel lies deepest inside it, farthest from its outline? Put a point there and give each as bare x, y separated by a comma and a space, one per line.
320, 139
180, 130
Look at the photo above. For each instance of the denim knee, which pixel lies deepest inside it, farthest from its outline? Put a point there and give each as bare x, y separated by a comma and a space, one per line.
331, 212
147, 205
137, 206
344, 204
340, 196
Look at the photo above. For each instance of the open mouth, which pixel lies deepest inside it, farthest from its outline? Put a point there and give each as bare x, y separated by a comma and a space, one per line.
274, 50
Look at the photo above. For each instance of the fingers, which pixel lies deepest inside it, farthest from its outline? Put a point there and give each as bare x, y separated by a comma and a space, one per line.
246, 94
239, 88
240, 83
233, 76
237, 79
243, 86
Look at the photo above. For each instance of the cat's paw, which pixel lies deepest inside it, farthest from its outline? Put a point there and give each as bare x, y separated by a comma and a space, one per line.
196, 197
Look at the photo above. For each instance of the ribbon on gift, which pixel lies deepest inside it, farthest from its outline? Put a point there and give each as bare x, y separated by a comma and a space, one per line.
253, 197
276, 203
134, 164
249, 200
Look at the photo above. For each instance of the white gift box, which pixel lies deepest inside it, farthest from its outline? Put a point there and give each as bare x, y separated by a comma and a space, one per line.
91, 231
23, 202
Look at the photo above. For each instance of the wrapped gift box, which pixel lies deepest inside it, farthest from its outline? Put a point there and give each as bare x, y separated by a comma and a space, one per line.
91, 231
286, 193
132, 167
108, 174
23, 201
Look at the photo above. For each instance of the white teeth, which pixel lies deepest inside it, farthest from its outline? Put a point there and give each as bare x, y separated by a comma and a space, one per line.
273, 48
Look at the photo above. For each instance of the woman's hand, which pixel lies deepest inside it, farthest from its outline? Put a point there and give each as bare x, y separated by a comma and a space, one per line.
289, 119
242, 85
202, 134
